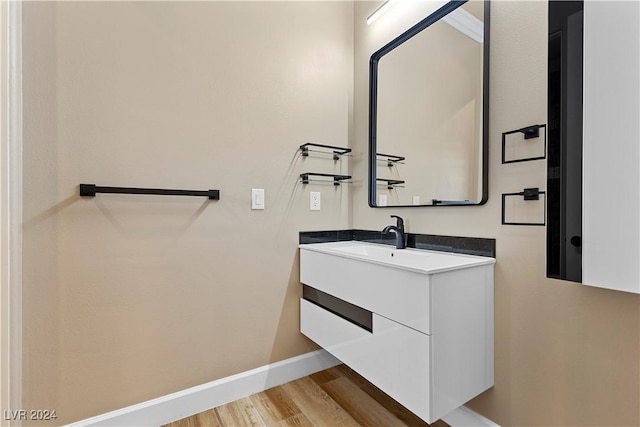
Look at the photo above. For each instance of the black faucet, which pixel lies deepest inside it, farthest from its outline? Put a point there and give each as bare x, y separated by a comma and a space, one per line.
398, 229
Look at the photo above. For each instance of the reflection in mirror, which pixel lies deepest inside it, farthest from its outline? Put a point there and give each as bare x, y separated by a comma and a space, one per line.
428, 105
564, 160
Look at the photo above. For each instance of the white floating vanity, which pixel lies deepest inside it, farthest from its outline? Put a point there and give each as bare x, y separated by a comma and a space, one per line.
417, 324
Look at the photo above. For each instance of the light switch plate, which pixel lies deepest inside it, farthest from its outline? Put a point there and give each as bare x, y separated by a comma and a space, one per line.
257, 198
314, 200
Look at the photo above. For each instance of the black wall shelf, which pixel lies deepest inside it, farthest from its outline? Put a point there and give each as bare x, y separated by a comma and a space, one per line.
390, 183
391, 159
337, 179
90, 190
336, 151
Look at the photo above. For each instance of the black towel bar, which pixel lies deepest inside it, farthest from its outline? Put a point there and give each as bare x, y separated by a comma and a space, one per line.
90, 190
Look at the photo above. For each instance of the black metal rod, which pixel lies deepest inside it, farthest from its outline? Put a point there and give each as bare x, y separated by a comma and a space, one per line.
451, 202
90, 190
527, 193
527, 130
331, 175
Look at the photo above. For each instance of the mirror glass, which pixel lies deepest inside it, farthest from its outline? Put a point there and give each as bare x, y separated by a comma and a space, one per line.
428, 111
564, 157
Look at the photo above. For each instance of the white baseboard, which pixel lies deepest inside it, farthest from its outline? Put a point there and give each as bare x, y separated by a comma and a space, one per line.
465, 417
197, 399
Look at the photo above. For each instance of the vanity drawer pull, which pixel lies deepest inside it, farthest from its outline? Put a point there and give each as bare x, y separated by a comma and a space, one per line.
354, 314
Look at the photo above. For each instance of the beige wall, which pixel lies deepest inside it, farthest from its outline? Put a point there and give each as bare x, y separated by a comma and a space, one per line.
565, 354
127, 298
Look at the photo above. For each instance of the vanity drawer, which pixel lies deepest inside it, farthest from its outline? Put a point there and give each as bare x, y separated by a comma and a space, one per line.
392, 356
401, 295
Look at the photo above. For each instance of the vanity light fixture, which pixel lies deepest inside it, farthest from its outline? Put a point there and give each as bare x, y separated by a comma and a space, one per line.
384, 7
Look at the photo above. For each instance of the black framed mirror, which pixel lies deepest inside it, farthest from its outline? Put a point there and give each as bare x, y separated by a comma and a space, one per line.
428, 111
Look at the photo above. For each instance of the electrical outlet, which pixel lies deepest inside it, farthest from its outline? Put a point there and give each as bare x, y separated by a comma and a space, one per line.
382, 200
314, 200
257, 198
416, 200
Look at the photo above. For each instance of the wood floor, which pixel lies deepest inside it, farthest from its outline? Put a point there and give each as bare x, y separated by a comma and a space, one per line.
334, 397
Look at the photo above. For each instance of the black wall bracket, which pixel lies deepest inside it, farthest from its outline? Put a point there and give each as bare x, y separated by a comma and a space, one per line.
531, 193
531, 131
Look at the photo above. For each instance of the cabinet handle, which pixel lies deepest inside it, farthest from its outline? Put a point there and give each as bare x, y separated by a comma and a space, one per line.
576, 241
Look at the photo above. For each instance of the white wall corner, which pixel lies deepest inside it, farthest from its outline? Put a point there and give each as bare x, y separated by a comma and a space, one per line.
11, 209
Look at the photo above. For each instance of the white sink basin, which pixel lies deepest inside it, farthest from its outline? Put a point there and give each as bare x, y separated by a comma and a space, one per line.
421, 261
